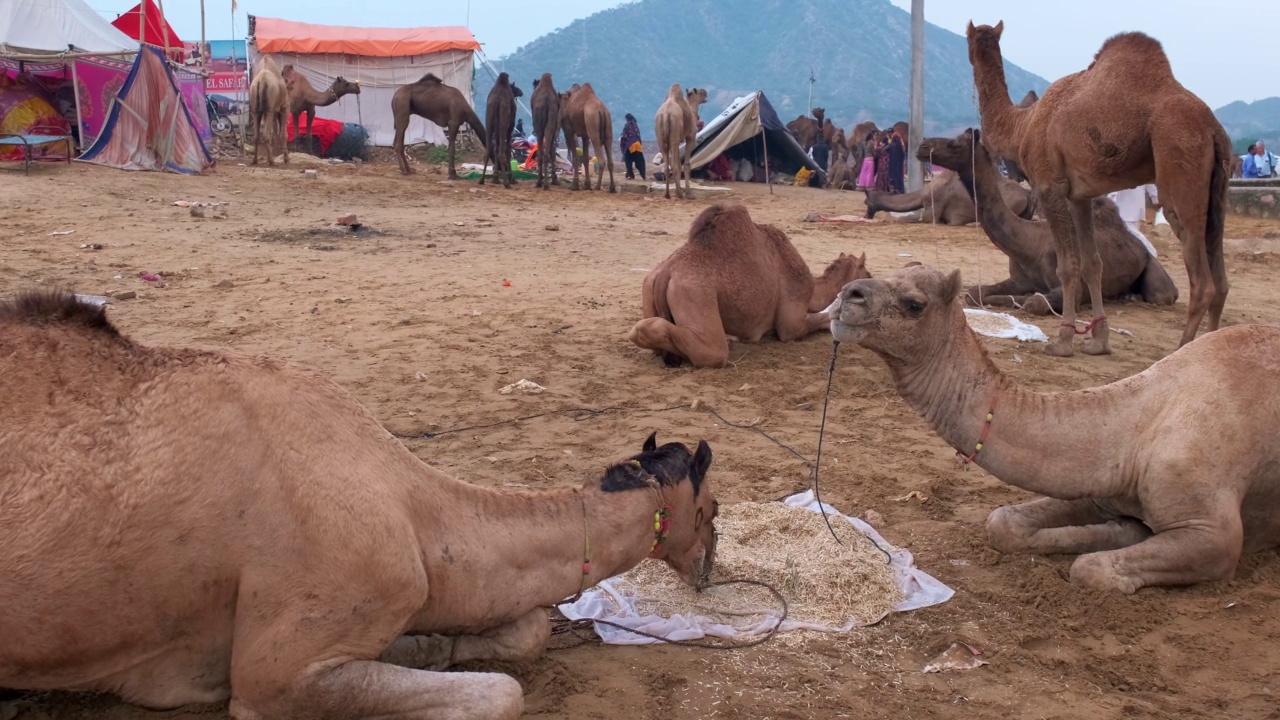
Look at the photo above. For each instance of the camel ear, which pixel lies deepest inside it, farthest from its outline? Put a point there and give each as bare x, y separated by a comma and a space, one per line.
862, 259
651, 442
968, 31
999, 28
701, 463
951, 290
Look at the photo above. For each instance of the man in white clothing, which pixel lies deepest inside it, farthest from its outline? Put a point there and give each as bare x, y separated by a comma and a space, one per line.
1132, 204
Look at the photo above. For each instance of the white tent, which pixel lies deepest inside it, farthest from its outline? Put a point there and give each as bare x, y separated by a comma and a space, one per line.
748, 128
381, 60
55, 27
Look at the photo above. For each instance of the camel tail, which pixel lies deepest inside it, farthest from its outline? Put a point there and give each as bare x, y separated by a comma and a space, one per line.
474, 121
1216, 218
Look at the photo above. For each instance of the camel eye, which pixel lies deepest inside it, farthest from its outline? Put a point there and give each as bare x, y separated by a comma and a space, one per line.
914, 308
697, 520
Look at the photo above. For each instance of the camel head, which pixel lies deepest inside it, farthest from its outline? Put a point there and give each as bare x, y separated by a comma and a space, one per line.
847, 268
984, 42
342, 86
697, 96
819, 114
903, 317
678, 477
951, 153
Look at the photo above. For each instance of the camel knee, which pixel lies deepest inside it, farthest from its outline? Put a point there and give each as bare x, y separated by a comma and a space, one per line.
1007, 532
651, 334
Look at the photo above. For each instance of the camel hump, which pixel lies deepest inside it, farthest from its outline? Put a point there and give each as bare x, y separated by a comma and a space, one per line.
45, 308
1126, 45
431, 78
503, 78
721, 220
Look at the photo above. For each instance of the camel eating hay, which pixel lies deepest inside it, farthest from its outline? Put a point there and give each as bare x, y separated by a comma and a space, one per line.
824, 583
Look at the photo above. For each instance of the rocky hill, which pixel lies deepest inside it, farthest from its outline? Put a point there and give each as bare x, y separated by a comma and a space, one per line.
1249, 122
859, 51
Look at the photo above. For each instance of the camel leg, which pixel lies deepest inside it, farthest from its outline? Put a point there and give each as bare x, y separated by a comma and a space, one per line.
1057, 211
257, 137
1049, 526
1091, 273
608, 159
795, 322
453, 152
398, 144
697, 334
484, 168
988, 292
1205, 551
284, 134
522, 640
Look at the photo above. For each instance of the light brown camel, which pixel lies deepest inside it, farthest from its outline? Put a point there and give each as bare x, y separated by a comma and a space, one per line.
188, 526
303, 98
500, 118
585, 117
733, 277
945, 200
1122, 122
546, 126
430, 98
1127, 267
676, 123
838, 150
840, 176
829, 133
269, 103
805, 129
1131, 486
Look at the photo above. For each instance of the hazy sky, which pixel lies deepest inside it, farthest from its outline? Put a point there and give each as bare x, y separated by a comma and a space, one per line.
1208, 41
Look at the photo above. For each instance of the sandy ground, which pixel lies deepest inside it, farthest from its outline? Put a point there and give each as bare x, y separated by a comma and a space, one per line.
416, 320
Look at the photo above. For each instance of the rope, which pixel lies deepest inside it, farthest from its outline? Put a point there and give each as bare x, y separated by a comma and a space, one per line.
831, 373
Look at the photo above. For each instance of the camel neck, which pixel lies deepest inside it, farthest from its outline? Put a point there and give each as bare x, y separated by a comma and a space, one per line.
825, 289
1000, 224
1062, 445
1000, 117
499, 554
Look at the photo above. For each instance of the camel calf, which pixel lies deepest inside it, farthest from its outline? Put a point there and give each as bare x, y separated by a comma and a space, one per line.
188, 526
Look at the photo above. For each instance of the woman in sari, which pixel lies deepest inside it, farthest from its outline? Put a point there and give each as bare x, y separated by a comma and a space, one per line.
867, 173
882, 164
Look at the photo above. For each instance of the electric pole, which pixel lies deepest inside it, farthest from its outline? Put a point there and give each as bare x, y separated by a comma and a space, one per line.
915, 133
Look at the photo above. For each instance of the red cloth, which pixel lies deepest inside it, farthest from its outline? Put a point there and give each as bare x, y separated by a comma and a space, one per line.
156, 31
326, 131
719, 168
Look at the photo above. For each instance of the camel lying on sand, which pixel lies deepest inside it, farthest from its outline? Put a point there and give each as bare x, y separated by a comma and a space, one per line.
445, 106
269, 103
675, 123
946, 201
734, 277
585, 117
304, 98
500, 118
1122, 122
1127, 267
1143, 478
546, 127
188, 526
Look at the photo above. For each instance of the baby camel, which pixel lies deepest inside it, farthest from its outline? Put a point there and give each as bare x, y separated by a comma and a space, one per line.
1162, 478
734, 277
187, 526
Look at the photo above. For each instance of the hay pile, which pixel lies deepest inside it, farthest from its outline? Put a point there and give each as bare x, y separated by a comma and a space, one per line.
789, 548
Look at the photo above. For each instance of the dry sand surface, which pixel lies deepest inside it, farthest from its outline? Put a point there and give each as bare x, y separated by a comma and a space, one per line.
415, 319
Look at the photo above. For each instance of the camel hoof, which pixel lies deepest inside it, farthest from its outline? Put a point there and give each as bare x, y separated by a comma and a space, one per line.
672, 360
1097, 571
1062, 348
1096, 347
1037, 305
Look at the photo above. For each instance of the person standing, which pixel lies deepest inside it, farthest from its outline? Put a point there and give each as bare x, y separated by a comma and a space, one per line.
1132, 206
1263, 160
867, 171
897, 163
632, 149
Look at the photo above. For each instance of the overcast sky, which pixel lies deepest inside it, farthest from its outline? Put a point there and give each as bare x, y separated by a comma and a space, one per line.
1223, 50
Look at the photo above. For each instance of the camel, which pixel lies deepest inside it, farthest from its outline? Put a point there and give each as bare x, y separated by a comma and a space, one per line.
186, 527
838, 150
805, 129
500, 118
269, 103
585, 116
1011, 166
945, 200
1127, 482
828, 133
676, 123
734, 277
303, 98
840, 176
546, 125
1127, 267
430, 98
1122, 122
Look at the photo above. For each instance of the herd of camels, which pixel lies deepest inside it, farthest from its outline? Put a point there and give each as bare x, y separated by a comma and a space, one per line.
185, 526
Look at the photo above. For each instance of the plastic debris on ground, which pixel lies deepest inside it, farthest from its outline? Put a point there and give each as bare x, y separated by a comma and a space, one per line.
1003, 325
523, 386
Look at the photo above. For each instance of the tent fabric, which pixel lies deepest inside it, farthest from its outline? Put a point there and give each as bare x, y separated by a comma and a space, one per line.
24, 112
57, 26
157, 32
149, 126
747, 118
283, 36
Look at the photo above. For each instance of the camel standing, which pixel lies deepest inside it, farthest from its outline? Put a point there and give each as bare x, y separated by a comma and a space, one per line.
733, 277
546, 125
1127, 267
805, 129
1122, 122
430, 98
1129, 483
500, 117
187, 527
586, 117
676, 123
303, 98
269, 103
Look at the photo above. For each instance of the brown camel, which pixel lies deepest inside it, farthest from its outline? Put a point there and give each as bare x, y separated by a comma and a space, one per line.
1122, 122
805, 129
734, 277
430, 98
269, 103
1129, 485
829, 133
1127, 267
500, 118
840, 176
1011, 166
1237, 166
546, 126
303, 98
676, 123
585, 117
838, 150
945, 200
189, 526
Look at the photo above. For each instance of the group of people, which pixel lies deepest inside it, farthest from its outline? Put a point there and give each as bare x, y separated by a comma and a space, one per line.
880, 160
1259, 162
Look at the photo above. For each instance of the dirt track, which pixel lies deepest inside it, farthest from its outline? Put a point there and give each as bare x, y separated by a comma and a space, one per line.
415, 320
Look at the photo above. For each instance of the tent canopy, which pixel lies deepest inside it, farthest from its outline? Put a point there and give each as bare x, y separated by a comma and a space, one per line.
157, 31
38, 27
283, 36
749, 125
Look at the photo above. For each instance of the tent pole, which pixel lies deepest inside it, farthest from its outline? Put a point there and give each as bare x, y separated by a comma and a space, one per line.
142, 24
915, 132
204, 41
164, 30
764, 136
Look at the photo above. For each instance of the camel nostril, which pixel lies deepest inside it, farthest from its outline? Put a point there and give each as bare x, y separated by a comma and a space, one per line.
855, 295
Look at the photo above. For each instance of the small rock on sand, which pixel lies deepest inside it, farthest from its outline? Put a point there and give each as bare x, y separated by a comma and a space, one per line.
125, 295
552, 228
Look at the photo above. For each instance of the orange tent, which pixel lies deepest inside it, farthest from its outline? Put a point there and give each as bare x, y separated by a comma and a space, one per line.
284, 36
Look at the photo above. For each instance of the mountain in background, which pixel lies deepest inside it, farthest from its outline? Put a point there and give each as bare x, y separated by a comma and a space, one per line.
859, 51
1247, 123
